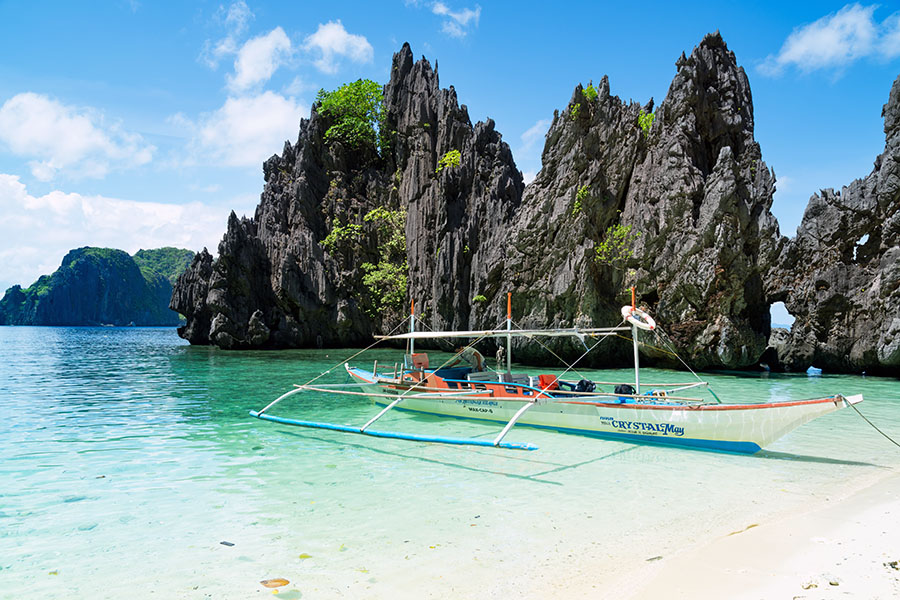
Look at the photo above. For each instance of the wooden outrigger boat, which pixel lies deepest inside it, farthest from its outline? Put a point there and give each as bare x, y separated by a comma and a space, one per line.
657, 413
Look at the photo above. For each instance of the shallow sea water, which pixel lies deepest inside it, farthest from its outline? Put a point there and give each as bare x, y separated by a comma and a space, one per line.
127, 457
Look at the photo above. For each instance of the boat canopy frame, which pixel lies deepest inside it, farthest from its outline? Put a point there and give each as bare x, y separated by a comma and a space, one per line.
541, 396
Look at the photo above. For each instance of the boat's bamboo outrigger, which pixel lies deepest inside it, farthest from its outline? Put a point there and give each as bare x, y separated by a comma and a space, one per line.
656, 416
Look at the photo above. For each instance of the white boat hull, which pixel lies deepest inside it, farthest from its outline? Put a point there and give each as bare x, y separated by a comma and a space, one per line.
743, 428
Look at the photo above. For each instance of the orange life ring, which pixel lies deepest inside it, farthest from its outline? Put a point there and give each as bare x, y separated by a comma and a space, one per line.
638, 318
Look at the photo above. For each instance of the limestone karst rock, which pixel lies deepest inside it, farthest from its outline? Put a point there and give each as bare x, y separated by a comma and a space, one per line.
708, 260
840, 276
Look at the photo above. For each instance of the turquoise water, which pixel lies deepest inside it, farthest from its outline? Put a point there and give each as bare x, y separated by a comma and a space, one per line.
128, 457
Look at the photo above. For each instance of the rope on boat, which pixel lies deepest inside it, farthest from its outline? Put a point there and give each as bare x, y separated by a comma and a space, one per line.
560, 358
340, 364
894, 442
662, 335
569, 367
401, 397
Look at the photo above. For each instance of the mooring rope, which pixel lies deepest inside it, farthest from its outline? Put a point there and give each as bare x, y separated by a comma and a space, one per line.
875, 427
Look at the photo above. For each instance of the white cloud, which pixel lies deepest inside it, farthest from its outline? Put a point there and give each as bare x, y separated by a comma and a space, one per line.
889, 46
528, 155
299, 86
235, 20
61, 137
39, 230
456, 23
259, 58
837, 40
333, 42
206, 189
246, 130
534, 133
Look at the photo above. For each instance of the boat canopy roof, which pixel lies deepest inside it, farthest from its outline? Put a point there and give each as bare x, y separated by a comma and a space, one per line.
494, 333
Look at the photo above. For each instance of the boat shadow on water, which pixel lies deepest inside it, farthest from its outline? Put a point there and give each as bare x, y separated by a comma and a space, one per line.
546, 467
772, 455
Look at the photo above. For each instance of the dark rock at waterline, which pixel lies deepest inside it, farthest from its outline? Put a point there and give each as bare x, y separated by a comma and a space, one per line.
695, 189
708, 263
840, 275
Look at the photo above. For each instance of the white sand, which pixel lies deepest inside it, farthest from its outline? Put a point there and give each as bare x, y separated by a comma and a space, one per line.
835, 549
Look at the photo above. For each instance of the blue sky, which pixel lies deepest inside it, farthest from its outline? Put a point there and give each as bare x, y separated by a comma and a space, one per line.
141, 124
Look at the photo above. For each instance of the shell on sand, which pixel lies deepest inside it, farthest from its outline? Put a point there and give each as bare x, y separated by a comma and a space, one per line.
274, 583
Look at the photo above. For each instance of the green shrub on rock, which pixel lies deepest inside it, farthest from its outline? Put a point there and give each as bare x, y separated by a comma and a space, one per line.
357, 111
451, 159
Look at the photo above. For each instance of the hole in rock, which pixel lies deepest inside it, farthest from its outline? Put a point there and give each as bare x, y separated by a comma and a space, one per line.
860, 243
780, 315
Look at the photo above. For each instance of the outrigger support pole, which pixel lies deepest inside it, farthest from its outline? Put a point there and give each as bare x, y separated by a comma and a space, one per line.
279, 399
379, 415
512, 422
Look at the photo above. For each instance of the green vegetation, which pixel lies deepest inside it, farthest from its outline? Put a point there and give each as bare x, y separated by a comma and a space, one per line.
451, 159
41, 287
384, 276
576, 108
133, 289
615, 247
479, 298
387, 284
645, 120
590, 92
386, 281
576, 208
580, 196
339, 235
168, 262
357, 111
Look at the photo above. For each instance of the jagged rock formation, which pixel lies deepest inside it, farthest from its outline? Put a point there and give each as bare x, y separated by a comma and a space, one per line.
100, 286
693, 185
702, 198
275, 285
456, 219
840, 276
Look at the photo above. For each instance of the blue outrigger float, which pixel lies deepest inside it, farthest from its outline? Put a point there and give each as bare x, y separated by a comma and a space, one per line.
655, 413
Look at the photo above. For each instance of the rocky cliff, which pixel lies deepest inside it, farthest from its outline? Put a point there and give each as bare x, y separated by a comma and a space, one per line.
99, 286
685, 185
693, 189
840, 275
277, 283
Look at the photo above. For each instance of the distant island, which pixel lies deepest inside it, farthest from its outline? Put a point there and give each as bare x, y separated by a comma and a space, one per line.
101, 286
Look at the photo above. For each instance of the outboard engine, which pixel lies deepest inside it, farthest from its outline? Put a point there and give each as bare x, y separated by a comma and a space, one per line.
585, 385
624, 388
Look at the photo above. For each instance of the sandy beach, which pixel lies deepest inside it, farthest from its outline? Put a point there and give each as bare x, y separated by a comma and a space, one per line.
845, 547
